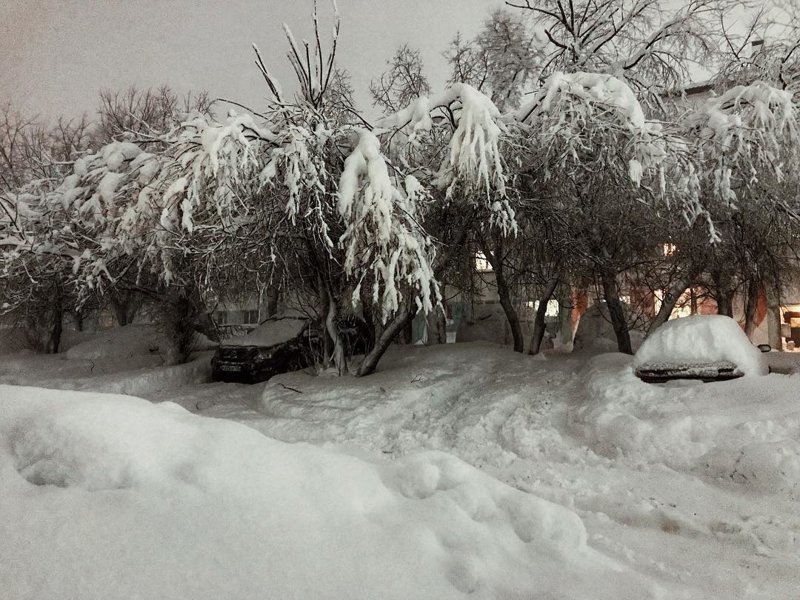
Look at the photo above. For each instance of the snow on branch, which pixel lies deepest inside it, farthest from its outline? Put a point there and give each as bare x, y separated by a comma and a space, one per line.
298, 166
473, 163
382, 236
475, 160
572, 106
94, 217
413, 119
212, 163
745, 133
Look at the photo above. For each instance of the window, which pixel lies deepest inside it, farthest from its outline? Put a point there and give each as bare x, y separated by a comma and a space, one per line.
552, 307
482, 265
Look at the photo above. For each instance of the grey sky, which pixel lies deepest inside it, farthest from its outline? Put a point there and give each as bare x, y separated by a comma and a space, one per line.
55, 55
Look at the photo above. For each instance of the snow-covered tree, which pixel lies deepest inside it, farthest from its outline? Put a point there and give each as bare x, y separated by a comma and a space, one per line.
502, 61
766, 48
404, 81
746, 145
609, 172
650, 44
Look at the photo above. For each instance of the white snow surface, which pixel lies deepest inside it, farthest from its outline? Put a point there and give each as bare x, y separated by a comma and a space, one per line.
270, 332
124, 360
112, 497
456, 470
701, 339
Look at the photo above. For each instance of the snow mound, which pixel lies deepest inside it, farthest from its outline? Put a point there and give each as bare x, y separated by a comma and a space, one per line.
127, 341
100, 442
745, 431
180, 506
701, 339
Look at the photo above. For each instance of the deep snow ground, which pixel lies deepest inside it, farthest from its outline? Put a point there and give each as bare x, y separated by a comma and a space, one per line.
692, 489
657, 473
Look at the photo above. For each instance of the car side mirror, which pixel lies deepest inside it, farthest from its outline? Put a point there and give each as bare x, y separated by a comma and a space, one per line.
764, 347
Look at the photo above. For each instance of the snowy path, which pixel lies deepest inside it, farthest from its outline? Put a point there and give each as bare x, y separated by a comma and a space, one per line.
695, 487
513, 417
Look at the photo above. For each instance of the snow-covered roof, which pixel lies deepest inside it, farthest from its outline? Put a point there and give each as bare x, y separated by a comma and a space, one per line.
271, 332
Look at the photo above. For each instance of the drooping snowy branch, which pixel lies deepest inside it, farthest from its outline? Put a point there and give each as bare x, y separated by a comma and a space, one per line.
213, 163
382, 237
746, 133
297, 168
571, 107
99, 215
473, 163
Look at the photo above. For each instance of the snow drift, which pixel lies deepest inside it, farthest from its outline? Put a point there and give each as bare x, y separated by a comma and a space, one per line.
745, 431
112, 497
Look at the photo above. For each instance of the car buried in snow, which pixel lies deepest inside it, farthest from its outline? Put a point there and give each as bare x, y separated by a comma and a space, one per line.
701, 347
279, 345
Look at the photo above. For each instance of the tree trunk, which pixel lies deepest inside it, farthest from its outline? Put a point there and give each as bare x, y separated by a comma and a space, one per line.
774, 317
615, 311
565, 309
401, 319
120, 308
751, 306
339, 360
539, 321
408, 333
327, 346
273, 294
58, 328
79, 317
671, 297
725, 303
504, 293
124, 307
441, 325
57, 323
724, 294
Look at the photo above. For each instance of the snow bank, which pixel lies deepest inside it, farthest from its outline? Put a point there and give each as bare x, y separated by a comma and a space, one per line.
745, 431
701, 339
13, 340
120, 360
128, 341
112, 497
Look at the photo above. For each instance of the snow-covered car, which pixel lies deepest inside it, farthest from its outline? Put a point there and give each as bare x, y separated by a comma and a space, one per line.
279, 345
703, 347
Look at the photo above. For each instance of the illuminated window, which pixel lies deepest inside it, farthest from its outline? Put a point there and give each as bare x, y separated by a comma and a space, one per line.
552, 307
669, 249
482, 264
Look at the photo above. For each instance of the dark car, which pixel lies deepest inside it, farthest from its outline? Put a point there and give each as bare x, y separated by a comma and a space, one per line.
280, 345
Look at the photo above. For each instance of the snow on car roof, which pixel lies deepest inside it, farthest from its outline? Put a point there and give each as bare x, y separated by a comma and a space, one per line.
271, 332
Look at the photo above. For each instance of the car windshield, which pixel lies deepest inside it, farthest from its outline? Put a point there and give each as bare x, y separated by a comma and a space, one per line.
270, 333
